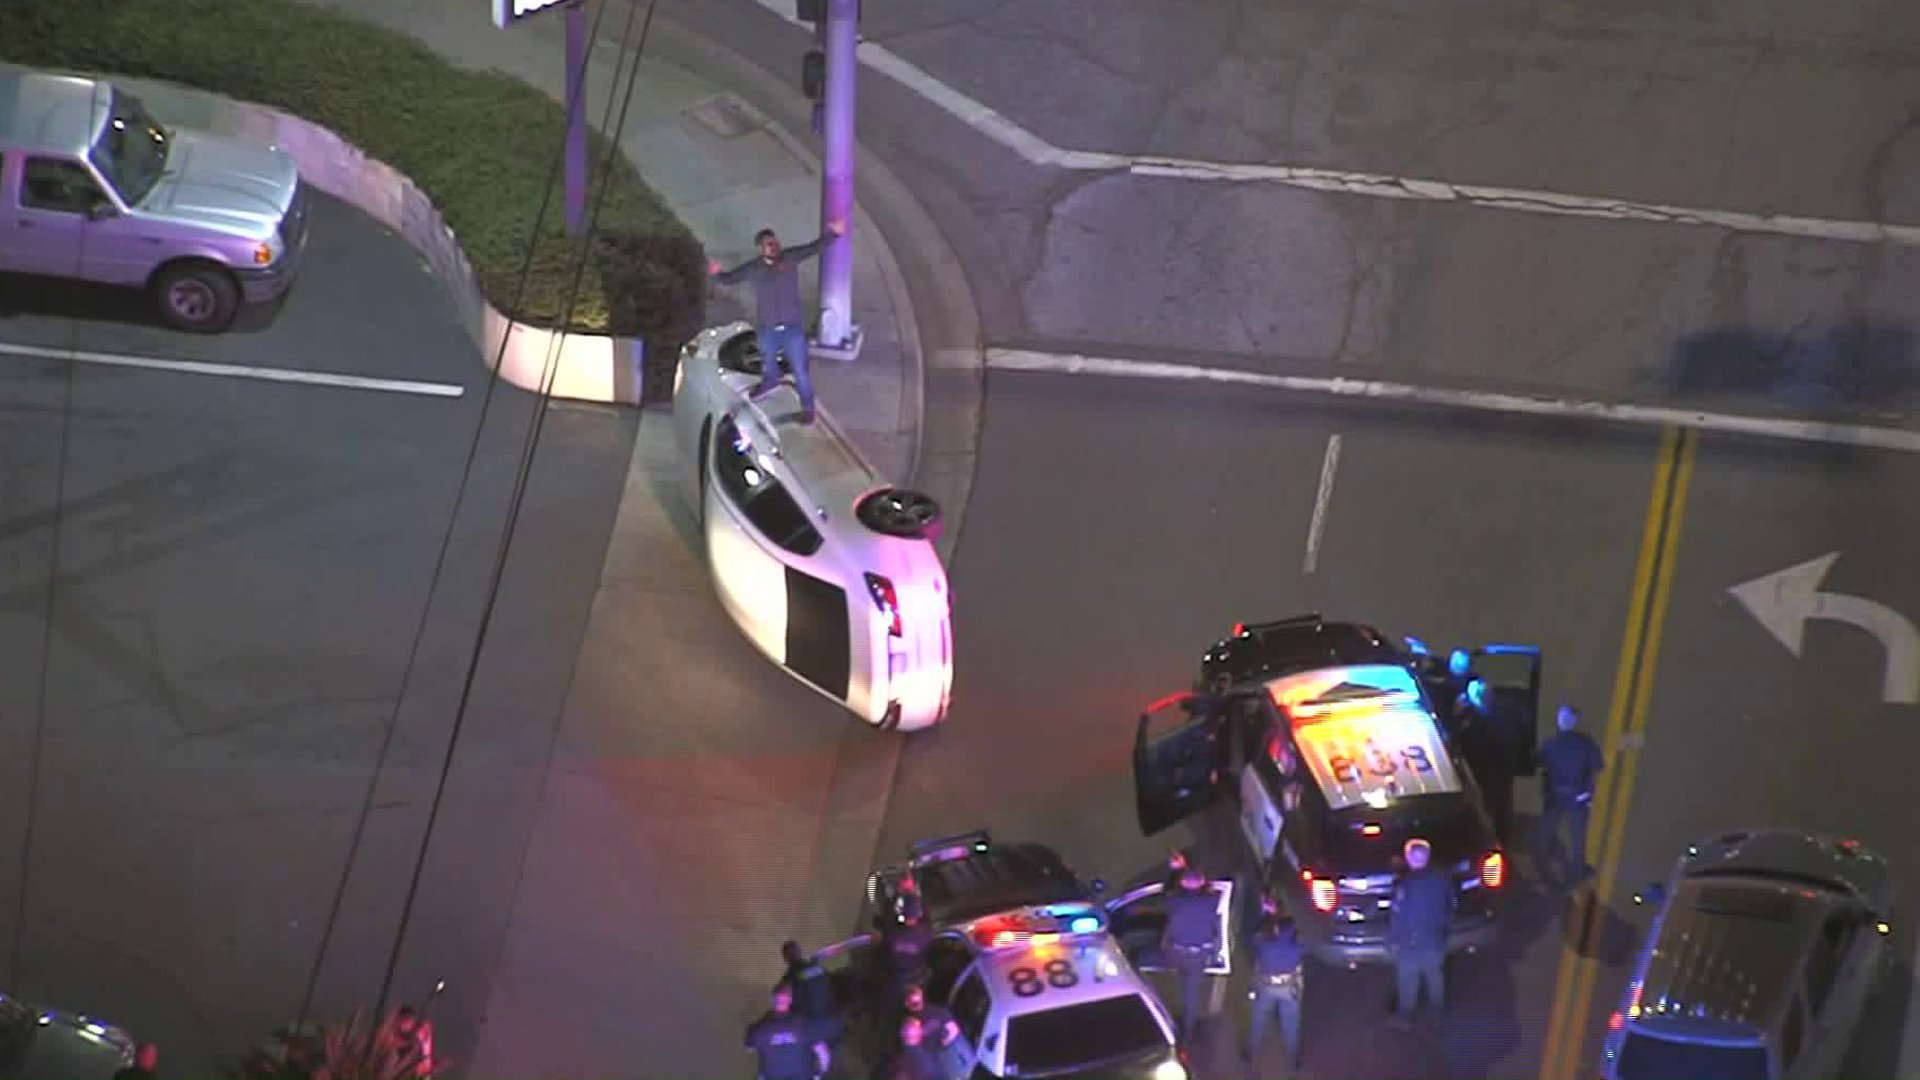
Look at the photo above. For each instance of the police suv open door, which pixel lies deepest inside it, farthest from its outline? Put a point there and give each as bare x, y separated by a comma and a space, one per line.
1513, 674
1179, 756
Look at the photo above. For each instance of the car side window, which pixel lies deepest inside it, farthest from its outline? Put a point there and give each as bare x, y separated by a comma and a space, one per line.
765, 501
970, 1005
61, 186
1792, 1033
1823, 964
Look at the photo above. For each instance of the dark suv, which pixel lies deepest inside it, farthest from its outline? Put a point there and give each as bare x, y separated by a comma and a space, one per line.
1767, 946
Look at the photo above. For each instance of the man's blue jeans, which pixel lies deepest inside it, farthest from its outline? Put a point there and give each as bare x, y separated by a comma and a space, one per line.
1413, 970
792, 340
1273, 1003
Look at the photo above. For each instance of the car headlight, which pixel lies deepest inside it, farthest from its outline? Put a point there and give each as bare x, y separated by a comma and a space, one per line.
1170, 1070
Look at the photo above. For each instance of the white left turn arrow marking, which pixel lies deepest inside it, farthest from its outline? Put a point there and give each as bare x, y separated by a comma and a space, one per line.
1783, 601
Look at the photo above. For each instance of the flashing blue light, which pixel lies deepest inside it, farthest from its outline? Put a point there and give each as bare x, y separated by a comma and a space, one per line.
1084, 924
1477, 693
1510, 650
1459, 662
1417, 647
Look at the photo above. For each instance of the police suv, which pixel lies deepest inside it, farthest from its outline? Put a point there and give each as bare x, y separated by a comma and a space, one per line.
1328, 737
1043, 978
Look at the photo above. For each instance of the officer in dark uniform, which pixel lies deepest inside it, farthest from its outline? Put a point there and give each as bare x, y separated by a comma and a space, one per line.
1278, 974
1190, 940
1421, 914
786, 1046
916, 1058
1176, 865
936, 1023
1570, 765
907, 942
813, 996
1491, 750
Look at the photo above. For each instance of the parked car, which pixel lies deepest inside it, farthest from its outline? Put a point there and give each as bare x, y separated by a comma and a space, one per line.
1767, 946
95, 188
46, 1044
829, 570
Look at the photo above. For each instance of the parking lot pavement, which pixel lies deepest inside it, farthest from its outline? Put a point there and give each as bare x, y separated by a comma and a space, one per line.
237, 570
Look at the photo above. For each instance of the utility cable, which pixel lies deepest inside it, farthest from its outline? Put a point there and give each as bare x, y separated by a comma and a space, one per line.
36, 755
575, 101
517, 502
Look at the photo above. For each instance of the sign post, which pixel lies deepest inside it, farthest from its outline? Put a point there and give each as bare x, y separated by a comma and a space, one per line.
510, 13
839, 337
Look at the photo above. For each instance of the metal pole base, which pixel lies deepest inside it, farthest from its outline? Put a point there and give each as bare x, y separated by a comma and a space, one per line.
845, 350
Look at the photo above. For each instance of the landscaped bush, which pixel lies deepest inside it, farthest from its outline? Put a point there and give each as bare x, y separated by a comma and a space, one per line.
480, 145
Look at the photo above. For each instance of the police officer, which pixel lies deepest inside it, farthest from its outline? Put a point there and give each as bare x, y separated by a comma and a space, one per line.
1491, 750
783, 1041
1570, 765
813, 996
1277, 976
1189, 941
915, 1059
907, 943
936, 1023
1176, 865
1422, 913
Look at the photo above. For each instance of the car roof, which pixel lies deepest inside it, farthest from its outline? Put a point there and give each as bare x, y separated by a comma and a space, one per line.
1100, 968
1341, 713
1001, 878
1794, 855
1730, 949
43, 111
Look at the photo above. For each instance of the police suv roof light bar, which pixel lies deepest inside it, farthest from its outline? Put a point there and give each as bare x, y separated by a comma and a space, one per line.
948, 848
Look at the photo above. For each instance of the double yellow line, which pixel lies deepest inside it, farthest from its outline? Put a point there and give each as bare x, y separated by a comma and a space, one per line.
1568, 1033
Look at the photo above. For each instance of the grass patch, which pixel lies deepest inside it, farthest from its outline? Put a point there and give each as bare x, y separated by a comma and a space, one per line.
480, 144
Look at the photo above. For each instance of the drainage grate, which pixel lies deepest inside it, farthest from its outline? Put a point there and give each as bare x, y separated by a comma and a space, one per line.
726, 116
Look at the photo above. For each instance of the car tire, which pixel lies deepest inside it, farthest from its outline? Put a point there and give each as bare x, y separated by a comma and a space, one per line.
197, 297
900, 512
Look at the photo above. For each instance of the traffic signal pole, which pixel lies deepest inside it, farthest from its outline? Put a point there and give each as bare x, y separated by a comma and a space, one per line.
839, 337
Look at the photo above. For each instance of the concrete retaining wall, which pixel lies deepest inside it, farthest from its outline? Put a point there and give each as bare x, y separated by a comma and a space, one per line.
590, 367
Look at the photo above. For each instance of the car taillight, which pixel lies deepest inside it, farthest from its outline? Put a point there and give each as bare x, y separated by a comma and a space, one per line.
884, 598
1615, 1021
1493, 870
1322, 890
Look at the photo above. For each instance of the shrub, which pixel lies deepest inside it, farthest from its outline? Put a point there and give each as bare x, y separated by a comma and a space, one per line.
480, 144
350, 1051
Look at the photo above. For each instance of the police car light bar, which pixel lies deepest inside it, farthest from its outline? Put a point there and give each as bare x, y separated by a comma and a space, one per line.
1036, 927
947, 848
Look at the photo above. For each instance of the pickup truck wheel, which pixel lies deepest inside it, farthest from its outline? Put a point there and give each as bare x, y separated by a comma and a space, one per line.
197, 297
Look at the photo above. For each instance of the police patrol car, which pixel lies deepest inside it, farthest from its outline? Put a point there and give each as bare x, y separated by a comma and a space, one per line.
1042, 976
1330, 743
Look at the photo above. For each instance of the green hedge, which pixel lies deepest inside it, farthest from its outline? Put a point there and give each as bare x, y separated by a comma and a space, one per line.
479, 144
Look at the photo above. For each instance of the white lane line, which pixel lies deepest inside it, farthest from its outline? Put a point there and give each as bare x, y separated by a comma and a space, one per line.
1909, 1067
1783, 429
239, 371
1321, 499
1037, 151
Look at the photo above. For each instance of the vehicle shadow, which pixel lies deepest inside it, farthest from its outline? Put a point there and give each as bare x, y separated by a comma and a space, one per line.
1857, 364
86, 301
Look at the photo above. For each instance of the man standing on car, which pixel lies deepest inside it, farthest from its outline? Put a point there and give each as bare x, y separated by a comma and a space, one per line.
786, 1047
779, 322
1570, 765
907, 942
1189, 941
1278, 967
1421, 914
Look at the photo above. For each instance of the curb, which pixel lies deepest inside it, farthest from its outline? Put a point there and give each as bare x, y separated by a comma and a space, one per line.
585, 367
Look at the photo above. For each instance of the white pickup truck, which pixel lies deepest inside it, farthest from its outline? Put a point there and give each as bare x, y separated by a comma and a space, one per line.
94, 188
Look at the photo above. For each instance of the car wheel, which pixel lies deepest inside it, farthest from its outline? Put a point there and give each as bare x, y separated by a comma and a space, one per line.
197, 297
911, 515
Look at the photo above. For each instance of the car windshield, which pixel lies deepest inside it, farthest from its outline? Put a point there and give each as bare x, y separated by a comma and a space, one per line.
131, 152
18, 1025
1087, 1034
1648, 1057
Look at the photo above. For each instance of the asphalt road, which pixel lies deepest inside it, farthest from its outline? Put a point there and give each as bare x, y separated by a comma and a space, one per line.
241, 568
1116, 532
1762, 109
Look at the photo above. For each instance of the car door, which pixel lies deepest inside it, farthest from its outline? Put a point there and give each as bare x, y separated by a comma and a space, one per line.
1513, 673
1179, 758
44, 222
971, 1006
1138, 917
